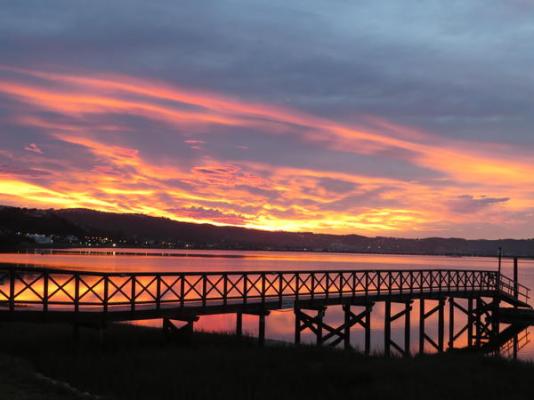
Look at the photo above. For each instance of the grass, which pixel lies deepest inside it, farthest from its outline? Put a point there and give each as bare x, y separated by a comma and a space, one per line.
136, 363
18, 381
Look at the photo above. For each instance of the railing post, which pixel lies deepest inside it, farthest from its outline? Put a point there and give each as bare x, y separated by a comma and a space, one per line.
353, 284
516, 278
312, 295
263, 294
158, 291
421, 281
245, 288
340, 275
12, 278
225, 288
297, 286
204, 289
327, 289
45, 291
106, 290
76, 292
132, 293
182, 290
280, 288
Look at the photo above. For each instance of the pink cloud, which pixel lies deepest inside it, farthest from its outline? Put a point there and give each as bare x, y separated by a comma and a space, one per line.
33, 148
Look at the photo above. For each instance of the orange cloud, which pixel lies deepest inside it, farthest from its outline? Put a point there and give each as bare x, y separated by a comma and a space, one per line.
247, 192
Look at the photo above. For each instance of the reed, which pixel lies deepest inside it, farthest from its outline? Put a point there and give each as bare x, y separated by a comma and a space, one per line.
137, 363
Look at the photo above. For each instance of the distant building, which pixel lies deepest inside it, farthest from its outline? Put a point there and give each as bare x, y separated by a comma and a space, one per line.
39, 238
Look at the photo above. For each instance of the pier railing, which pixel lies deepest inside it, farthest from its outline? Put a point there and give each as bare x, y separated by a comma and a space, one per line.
23, 288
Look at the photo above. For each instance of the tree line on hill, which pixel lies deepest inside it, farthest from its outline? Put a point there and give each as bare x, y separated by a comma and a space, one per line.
78, 227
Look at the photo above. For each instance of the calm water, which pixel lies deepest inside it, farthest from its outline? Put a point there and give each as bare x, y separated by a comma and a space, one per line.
280, 324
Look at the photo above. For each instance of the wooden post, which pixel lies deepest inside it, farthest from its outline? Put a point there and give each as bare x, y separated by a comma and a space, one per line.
441, 325
77, 292
297, 325
132, 294
470, 322
182, 290
451, 323
478, 330
421, 326
368, 309
407, 327
387, 329
158, 292
45, 291
516, 278
106, 292
261, 329
320, 315
204, 289
239, 324
12, 277
225, 288
346, 334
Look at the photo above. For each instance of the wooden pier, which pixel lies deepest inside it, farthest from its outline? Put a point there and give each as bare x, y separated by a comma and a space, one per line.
485, 299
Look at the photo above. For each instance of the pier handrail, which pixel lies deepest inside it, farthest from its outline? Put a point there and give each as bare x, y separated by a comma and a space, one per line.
47, 288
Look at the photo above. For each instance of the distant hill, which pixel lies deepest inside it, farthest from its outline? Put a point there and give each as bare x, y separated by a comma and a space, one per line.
82, 226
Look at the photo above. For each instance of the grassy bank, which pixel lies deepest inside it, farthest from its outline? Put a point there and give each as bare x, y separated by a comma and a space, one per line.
136, 363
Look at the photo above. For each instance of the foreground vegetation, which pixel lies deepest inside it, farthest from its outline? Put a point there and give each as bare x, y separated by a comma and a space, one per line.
137, 363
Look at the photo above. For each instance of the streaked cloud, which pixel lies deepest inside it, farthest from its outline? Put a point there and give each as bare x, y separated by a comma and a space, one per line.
323, 117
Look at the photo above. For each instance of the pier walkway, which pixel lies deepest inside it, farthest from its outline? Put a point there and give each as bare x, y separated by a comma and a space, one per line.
86, 298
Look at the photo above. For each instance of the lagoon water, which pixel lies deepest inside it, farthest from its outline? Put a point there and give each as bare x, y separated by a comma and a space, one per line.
280, 324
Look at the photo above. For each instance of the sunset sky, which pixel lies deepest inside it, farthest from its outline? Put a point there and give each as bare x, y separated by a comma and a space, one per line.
396, 118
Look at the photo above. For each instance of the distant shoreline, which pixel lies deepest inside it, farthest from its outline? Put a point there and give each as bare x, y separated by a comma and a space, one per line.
166, 252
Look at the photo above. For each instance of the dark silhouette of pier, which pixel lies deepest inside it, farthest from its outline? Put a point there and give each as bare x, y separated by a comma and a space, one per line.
484, 299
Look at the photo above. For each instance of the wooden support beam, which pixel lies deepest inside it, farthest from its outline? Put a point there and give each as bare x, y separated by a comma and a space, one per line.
423, 315
346, 339
319, 335
451, 323
407, 329
297, 326
261, 329
470, 321
183, 334
367, 327
387, 328
441, 325
421, 326
239, 324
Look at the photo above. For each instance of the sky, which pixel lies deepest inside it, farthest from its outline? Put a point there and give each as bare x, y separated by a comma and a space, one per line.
382, 118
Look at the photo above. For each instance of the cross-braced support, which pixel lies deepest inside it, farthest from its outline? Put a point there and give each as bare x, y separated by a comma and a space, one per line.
423, 316
333, 336
183, 333
486, 326
454, 334
388, 320
261, 324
